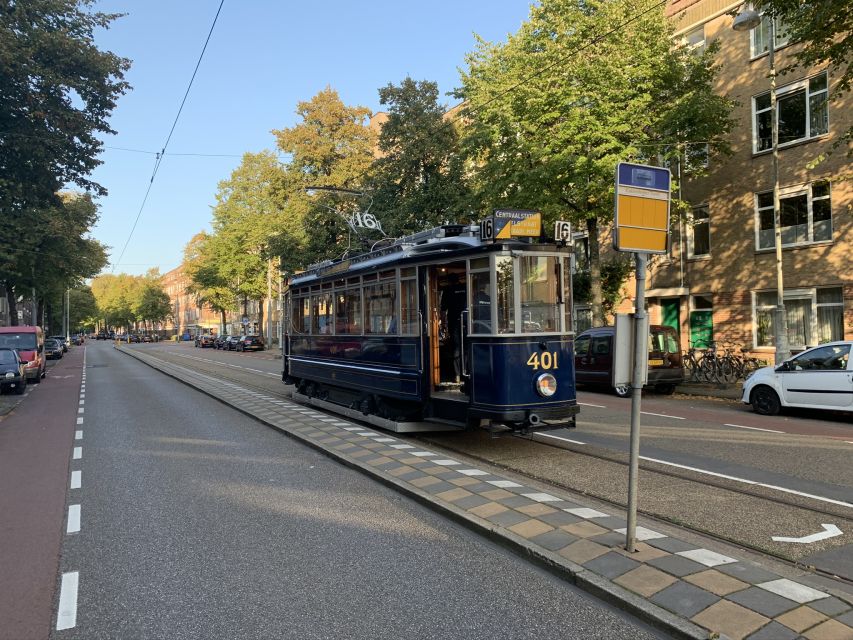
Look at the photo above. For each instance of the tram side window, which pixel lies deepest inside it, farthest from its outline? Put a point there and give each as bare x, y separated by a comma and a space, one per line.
305, 315
408, 306
321, 314
296, 315
538, 294
506, 297
481, 303
348, 312
380, 308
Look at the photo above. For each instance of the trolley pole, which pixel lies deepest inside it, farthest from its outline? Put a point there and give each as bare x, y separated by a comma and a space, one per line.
641, 353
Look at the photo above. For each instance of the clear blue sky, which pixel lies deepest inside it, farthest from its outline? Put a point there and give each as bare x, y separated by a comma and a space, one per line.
263, 58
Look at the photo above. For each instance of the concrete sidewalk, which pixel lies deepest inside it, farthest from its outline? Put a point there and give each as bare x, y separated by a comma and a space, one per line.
726, 391
691, 591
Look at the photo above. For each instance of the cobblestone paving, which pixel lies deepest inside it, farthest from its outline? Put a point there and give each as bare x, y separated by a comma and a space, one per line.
692, 590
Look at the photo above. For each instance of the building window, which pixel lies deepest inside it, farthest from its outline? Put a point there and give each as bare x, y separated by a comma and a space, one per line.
813, 316
694, 40
830, 314
802, 111
805, 216
583, 318
760, 36
699, 233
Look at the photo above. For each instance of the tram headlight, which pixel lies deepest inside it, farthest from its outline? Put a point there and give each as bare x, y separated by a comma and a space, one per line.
546, 385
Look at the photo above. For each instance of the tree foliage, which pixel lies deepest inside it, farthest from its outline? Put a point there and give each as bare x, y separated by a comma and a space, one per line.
124, 300
57, 90
419, 179
609, 87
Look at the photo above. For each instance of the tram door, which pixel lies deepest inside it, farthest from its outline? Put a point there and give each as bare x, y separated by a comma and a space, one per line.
448, 301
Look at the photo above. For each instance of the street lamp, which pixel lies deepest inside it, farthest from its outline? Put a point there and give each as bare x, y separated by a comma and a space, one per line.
745, 21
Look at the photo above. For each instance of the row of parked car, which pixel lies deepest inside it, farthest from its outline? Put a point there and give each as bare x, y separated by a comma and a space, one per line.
24, 352
230, 343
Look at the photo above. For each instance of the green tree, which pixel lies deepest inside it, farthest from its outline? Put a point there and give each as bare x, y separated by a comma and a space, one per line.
332, 146
203, 261
150, 303
53, 253
57, 91
82, 308
419, 179
114, 295
583, 85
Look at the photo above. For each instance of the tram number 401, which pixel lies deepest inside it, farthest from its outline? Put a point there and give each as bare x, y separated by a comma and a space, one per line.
545, 360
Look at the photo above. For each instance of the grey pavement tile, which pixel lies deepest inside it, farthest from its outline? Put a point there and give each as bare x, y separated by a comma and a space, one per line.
774, 631
508, 518
676, 565
747, 572
847, 618
766, 603
471, 501
611, 565
480, 487
559, 518
438, 487
611, 539
411, 475
673, 545
831, 606
517, 501
554, 540
611, 522
684, 599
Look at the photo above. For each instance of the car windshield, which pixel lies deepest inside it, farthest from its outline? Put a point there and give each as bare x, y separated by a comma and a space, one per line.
25, 341
663, 340
50, 343
7, 356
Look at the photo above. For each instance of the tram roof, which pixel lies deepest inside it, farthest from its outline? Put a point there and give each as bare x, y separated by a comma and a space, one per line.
425, 244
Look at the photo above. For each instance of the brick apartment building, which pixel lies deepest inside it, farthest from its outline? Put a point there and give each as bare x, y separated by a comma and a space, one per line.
187, 315
719, 279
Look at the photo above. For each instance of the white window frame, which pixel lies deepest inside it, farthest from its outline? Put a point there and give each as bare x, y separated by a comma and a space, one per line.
802, 85
690, 225
696, 47
781, 32
793, 192
794, 294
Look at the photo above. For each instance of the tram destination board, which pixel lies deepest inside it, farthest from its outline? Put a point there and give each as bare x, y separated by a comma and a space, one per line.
641, 218
511, 223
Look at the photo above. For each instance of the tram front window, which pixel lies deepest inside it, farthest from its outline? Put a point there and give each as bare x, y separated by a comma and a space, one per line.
506, 298
538, 294
481, 303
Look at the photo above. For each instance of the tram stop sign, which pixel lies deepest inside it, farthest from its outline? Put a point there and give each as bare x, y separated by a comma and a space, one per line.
641, 219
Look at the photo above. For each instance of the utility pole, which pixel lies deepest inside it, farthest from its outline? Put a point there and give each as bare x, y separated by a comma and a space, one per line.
269, 303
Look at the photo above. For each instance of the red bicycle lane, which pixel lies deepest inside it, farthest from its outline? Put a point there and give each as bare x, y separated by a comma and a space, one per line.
36, 442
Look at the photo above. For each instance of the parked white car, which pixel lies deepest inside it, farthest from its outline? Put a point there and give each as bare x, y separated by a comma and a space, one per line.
818, 378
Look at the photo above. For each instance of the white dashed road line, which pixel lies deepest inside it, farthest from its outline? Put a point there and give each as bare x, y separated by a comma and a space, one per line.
78, 453
76, 479
740, 426
589, 404
73, 519
66, 618
549, 435
78, 435
661, 415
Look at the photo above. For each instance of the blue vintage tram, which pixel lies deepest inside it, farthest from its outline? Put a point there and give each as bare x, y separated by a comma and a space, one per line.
439, 330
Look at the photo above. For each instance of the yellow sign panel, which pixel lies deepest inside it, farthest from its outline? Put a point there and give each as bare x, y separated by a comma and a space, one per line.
642, 209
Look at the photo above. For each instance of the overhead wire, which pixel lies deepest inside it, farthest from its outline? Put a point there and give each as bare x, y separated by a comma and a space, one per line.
161, 154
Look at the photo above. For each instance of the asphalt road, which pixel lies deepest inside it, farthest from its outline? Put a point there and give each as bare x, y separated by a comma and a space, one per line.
709, 464
197, 521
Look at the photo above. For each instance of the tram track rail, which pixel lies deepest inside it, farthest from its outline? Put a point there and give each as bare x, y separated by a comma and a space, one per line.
586, 451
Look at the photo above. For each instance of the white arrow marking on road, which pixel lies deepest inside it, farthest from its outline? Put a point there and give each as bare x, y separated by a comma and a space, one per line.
830, 531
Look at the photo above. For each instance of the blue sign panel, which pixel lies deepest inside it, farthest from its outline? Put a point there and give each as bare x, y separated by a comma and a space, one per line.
643, 176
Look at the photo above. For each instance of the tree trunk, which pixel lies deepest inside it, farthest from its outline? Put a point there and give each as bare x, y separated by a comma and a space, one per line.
40, 312
222, 322
11, 298
596, 298
261, 317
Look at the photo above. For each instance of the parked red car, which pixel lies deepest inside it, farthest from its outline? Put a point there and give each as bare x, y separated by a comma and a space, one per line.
29, 343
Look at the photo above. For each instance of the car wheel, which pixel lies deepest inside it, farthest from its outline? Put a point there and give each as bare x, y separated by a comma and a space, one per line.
665, 389
765, 401
21, 387
622, 390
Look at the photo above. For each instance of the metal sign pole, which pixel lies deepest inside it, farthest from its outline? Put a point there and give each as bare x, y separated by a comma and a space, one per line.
641, 351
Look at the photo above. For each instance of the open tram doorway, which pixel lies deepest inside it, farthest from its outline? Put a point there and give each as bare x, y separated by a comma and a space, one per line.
448, 311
